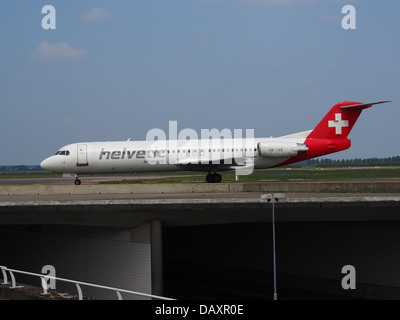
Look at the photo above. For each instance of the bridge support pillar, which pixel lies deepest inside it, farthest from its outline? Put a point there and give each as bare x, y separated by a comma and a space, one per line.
156, 257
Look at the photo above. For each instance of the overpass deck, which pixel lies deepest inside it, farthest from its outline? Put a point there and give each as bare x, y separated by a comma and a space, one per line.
180, 209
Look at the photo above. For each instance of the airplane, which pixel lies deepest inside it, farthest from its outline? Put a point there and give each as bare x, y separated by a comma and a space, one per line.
212, 156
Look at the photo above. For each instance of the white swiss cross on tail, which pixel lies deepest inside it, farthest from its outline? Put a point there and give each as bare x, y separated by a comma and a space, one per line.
338, 123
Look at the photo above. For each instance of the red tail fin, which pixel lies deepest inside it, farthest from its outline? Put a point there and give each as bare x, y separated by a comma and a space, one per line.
330, 135
339, 121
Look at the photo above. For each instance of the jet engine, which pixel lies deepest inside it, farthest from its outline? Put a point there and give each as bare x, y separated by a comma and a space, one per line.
281, 149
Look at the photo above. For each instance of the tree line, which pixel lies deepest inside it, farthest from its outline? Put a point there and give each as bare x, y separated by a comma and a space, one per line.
356, 162
20, 168
326, 163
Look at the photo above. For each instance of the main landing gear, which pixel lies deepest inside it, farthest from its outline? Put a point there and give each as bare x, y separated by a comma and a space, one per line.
77, 181
213, 178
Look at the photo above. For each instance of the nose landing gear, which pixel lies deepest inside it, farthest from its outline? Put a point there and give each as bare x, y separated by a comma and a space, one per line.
77, 181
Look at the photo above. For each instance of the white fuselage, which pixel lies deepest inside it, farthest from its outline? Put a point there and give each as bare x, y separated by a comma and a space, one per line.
169, 155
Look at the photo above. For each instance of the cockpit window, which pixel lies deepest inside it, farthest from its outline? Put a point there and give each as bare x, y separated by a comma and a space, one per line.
62, 153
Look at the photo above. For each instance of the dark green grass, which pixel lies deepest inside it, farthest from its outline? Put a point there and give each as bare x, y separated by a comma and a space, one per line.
278, 174
27, 175
284, 174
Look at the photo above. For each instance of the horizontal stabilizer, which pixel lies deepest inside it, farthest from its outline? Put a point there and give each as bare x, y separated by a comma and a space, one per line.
362, 105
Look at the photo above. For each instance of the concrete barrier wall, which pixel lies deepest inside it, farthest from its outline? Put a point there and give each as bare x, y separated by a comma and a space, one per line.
359, 186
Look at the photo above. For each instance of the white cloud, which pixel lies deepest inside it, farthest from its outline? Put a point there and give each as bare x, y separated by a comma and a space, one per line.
279, 64
307, 81
201, 43
56, 52
95, 14
204, 43
69, 120
188, 51
332, 64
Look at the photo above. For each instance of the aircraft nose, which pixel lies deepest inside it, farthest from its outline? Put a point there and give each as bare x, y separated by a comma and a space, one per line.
46, 164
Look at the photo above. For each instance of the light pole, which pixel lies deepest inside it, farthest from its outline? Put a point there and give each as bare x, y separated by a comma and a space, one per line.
273, 198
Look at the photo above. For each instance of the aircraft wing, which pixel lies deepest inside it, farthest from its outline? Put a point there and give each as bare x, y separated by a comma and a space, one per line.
214, 163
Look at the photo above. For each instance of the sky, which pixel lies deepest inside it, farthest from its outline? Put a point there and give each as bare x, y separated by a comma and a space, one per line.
113, 70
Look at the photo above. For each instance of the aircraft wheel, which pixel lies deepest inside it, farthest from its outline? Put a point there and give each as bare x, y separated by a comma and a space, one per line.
213, 178
217, 178
77, 182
